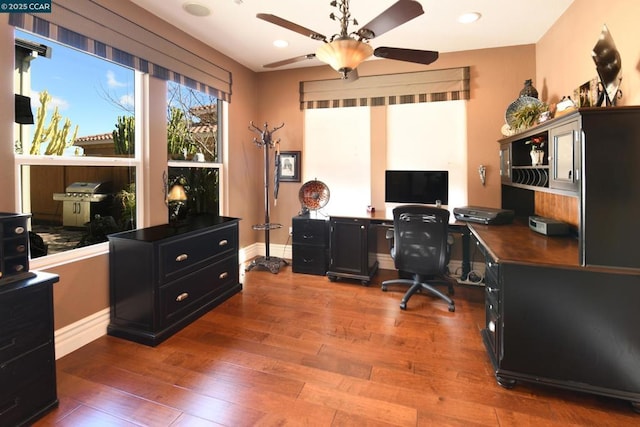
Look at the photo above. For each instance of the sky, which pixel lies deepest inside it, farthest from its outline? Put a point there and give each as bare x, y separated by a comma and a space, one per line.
81, 85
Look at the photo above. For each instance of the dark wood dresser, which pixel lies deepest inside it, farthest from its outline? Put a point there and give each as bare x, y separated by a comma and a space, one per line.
164, 277
27, 352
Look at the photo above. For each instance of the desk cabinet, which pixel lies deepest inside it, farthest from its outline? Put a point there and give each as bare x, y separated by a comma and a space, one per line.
27, 354
353, 246
310, 245
164, 277
560, 325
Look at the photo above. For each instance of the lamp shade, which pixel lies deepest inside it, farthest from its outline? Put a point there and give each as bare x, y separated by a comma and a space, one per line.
344, 54
177, 193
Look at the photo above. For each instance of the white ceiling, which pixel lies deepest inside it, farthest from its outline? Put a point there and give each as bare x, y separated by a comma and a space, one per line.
233, 29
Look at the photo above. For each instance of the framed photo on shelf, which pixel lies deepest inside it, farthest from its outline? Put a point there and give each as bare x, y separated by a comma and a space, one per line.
289, 166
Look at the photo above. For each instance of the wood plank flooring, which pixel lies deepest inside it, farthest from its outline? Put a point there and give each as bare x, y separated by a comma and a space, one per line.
297, 350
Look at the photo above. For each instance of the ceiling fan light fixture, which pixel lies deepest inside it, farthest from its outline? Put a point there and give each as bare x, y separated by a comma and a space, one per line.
344, 54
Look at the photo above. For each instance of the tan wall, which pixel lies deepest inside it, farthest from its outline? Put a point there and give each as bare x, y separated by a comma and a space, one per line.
564, 54
7, 173
497, 75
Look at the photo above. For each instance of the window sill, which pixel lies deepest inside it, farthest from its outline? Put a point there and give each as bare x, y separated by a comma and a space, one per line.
68, 257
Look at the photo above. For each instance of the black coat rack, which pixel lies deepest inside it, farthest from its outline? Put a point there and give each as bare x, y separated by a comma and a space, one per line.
266, 141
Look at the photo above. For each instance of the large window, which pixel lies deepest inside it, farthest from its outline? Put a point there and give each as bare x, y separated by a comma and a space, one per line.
193, 147
77, 162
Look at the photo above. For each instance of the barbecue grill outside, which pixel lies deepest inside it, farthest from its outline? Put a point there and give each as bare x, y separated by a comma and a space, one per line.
81, 201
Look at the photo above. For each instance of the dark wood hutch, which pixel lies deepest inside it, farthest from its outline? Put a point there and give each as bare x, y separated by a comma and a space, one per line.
562, 311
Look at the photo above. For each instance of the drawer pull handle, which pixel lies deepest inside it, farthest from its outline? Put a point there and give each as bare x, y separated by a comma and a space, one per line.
223, 275
21, 248
491, 326
183, 296
223, 242
182, 257
18, 230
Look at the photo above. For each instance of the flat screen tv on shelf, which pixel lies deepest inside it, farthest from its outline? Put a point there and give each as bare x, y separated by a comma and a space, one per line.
424, 187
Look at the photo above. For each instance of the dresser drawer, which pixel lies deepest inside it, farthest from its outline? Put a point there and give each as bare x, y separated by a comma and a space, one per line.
33, 389
18, 246
188, 292
310, 231
12, 225
24, 322
309, 259
14, 244
179, 256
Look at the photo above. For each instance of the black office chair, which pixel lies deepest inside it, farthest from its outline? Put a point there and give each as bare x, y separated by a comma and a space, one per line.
420, 248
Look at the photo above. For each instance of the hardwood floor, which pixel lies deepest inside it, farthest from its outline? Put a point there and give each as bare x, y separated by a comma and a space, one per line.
297, 350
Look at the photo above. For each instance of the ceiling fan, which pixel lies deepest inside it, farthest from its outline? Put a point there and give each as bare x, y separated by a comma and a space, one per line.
345, 51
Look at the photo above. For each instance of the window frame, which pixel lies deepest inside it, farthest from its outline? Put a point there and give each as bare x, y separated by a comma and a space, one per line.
136, 162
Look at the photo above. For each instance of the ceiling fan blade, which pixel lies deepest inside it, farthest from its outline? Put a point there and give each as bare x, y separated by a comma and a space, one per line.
291, 26
290, 61
396, 15
409, 55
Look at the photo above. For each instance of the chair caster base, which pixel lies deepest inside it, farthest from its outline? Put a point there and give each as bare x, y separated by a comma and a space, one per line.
452, 308
403, 305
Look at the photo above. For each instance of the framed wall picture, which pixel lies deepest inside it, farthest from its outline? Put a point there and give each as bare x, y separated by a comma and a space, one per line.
290, 166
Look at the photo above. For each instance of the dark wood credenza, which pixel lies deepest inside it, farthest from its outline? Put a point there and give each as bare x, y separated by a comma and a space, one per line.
27, 353
164, 277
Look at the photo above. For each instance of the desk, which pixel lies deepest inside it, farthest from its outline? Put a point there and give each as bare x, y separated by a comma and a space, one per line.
551, 321
353, 245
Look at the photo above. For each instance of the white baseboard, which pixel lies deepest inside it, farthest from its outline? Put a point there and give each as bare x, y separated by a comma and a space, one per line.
82, 332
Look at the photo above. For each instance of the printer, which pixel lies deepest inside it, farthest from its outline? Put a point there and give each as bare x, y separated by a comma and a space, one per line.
482, 215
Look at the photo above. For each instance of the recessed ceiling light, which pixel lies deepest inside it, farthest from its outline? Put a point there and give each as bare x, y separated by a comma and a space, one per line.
468, 18
280, 43
196, 9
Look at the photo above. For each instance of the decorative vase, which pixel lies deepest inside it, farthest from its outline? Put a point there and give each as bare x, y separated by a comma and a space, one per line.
537, 157
528, 89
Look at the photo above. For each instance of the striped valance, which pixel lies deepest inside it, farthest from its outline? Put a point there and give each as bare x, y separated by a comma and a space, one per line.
450, 84
95, 29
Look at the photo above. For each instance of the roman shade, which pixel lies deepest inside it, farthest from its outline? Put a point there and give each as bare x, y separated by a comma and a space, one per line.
99, 30
449, 84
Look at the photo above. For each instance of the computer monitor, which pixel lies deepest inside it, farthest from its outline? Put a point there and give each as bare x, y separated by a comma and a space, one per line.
425, 187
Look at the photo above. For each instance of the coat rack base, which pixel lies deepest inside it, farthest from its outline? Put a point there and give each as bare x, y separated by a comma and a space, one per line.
273, 264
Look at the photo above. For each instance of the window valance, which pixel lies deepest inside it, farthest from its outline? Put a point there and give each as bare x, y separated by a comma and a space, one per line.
404, 88
95, 29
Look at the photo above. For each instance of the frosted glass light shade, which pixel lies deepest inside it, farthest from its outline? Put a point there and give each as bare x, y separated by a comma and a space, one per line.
344, 54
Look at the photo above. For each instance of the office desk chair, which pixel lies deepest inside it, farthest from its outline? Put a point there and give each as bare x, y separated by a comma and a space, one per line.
420, 248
